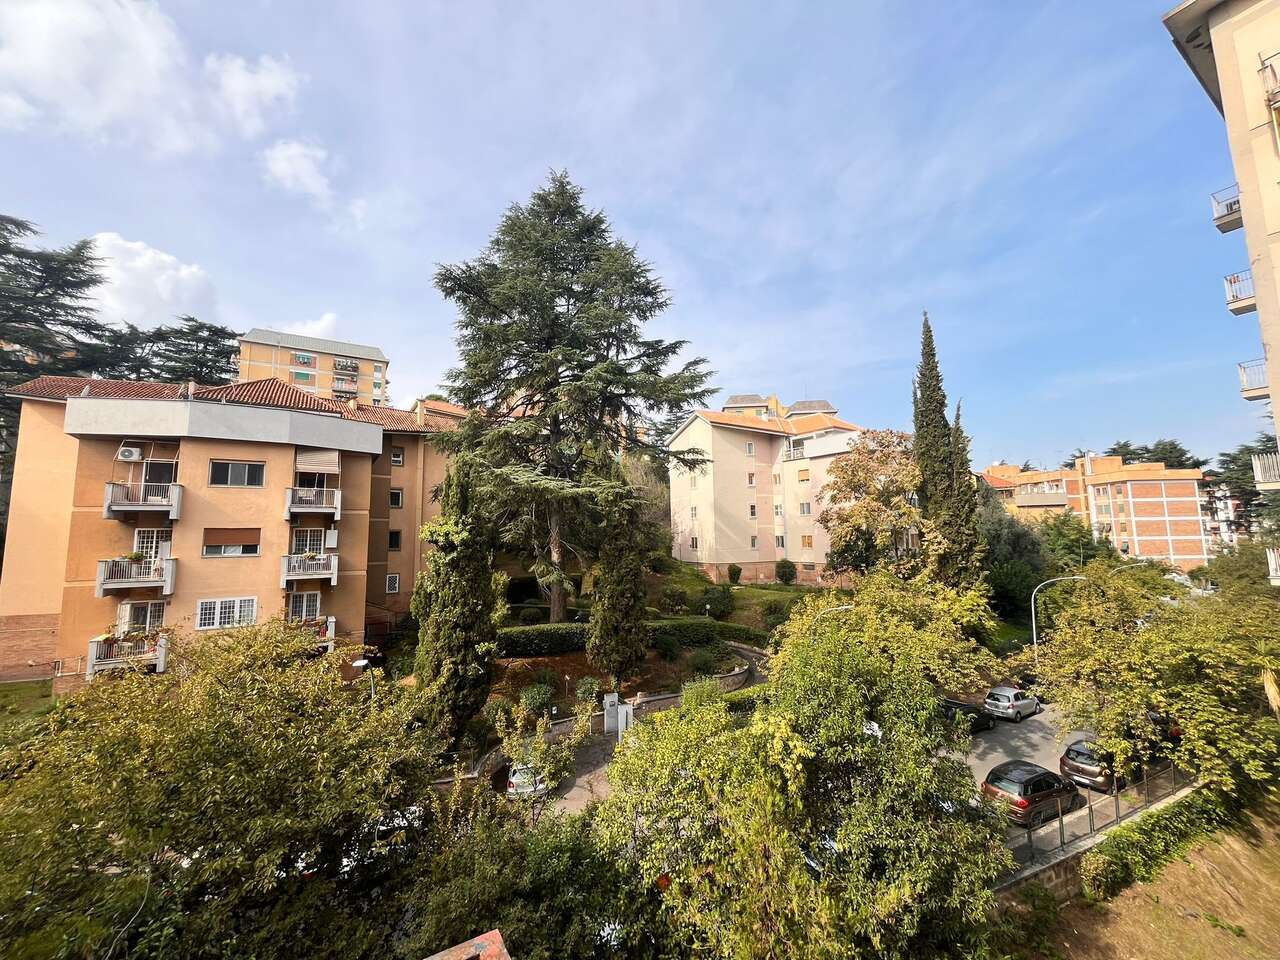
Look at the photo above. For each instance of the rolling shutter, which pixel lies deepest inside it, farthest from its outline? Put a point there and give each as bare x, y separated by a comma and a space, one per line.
311, 460
221, 536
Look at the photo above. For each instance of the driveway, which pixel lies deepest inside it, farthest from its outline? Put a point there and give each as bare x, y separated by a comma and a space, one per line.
1034, 739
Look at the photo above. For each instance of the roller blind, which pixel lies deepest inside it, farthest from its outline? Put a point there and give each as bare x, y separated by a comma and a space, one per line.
310, 460
220, 536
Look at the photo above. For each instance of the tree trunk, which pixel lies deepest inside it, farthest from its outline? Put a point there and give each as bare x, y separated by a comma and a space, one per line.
555, 551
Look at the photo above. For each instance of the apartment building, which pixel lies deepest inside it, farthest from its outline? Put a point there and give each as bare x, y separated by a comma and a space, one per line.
1145, 509
139, 506
327, 368
756, 500
1233, 49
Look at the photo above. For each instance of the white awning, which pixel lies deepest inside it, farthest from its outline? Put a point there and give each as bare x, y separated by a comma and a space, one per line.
309, 460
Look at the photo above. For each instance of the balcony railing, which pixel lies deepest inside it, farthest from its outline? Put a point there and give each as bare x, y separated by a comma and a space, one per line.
1253, 375
120, 498
1266, 471
1226, 208
1239, 289
346, 366
303, 566
136, 574
793, 453
1270, 74
1273, 565
326, 629
107, 652
313, 500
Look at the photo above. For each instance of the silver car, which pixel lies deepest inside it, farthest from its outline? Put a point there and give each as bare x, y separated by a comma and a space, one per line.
525, 782
1011, 703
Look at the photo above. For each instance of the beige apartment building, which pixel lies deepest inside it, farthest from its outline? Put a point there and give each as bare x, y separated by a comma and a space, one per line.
1233, 48
1145, 509
141, 506
756, 500
327, 368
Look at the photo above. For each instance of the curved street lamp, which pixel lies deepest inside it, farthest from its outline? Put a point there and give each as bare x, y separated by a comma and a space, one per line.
1035, 640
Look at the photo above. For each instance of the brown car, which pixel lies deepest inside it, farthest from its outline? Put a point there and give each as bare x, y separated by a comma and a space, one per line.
1086, 764
1031, 794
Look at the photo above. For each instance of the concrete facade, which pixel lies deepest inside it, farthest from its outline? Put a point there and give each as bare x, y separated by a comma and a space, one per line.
327, 368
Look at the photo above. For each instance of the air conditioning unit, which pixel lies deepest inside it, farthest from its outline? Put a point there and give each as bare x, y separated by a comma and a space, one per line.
130, 454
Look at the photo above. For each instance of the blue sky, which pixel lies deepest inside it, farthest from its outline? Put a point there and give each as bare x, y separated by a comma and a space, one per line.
806, 178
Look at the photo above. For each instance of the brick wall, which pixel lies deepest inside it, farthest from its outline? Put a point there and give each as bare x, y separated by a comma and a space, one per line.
27, 646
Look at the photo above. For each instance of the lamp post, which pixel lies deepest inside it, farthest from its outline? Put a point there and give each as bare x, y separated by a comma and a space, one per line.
362, 663
813, 627
1035, 636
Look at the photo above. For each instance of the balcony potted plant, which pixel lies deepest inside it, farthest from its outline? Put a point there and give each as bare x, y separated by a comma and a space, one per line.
134, 556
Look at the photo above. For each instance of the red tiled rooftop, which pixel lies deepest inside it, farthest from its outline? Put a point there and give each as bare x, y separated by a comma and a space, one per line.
59, 388
268, 392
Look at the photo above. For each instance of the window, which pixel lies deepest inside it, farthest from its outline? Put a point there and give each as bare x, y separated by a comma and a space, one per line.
806, 509
693, 513
393, 540
152, 542
230, 550
693, 543
232, 612
301, 377
377, 368
751, 511
780, 542
751, 449
777, 509
397, 497
304, 606
304, 359
753, 543
377, 384
751, 479
693, 481
809, 566
230, 542
397, 456
142, 617
777, 479
802, 476
806, 541
393, 583
307, 540
236, 473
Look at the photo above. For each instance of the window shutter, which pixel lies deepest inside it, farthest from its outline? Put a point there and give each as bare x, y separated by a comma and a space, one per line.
221, 536
311, 460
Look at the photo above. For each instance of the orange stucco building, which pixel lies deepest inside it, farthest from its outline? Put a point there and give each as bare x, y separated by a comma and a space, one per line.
144, 505
1145, 509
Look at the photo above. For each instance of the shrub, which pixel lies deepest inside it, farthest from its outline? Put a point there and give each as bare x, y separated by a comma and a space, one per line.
495, 708
775, 612
784, 571
547, 677
588, 690
1136, 851
668, 646
673, 598
717, 601
704, 661
542, 640
532, 615
697, 693
536, 698
735, 573
699, 631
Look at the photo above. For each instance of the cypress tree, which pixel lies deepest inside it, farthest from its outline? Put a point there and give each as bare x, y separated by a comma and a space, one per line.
453, 601
932, 444
958, 522
617, 637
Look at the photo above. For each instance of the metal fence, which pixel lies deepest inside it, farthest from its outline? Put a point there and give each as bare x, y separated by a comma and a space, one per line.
1098, 812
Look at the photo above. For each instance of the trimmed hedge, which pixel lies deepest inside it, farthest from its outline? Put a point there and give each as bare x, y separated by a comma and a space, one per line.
1137, 851
550, 639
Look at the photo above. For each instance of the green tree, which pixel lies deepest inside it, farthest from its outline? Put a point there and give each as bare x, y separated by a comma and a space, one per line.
553, 355
933, 435
1069, 541
1014, 556
454, 602
617, 637
1240, 571
1070, 462
1235, 469
1174, 455
195, 350
1128, 452
957, 523
228, 807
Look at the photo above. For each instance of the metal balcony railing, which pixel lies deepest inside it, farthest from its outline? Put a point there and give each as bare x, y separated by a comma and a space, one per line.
1270, 74
346, 366
130, 574
793, 453
309, 566
1253, 374
1226, 208
1273, 565
1266, 469
106, 652
131, 497
313, 500
1239, 286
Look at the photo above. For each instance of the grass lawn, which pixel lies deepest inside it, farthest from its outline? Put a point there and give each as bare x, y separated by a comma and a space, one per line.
685, 576
21, 701
1011, 636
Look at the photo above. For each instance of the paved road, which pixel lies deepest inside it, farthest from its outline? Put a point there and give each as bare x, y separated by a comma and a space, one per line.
1034, 739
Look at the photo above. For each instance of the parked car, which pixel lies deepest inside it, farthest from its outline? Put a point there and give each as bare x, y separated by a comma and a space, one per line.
1031, 683
1085, 763
978, 717
1031, 794
1011, 703
524, 782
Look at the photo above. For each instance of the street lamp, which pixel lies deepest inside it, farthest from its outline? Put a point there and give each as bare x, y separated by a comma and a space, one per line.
813, 627
1035, 637
362, 663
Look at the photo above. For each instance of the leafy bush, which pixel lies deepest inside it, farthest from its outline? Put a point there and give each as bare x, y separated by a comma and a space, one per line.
706, 660
673, 598
775, 611
668, 647
542, 640
697, 693
717, 601
588, 690
735, 573
536, 698
784, 571
699, 631
1136, 851
532, 615
546, 676
493, 709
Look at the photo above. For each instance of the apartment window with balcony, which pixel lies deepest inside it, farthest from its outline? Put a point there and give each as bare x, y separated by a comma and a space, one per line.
777, 509
236, 473
304, 360
751, 479
780, 541
802, 476
693, 543
751, 511
307, 540
806, 541
693, 513
230, 542
751, 449
753, 543
397, 456
393, 583
231, 612
304, 605
393, 540
806, 509
301, 377
396, 498
143, 617
152, 542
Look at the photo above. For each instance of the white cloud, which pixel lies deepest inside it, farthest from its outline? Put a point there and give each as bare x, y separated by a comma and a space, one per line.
147, 287
326, 325
296, 167
247, 93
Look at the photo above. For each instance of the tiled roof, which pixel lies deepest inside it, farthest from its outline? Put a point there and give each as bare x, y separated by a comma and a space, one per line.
59, 388
745, 400
399, 421
445, 407
268, 392
278, 338
997, 483
810, 406
799, 425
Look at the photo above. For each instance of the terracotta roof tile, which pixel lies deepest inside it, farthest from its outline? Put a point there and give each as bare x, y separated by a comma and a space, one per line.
268, 392
792, 427
59, 388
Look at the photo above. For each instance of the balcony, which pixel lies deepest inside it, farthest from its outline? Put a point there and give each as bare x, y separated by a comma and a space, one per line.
1041, 498
1226, 209
326, 629
1240, 298
346, 366
135, 650
793, 453
309, 566
1270, 74
123, 499
324, 500
135, 575
1253, 380
1273, 565
1266, 471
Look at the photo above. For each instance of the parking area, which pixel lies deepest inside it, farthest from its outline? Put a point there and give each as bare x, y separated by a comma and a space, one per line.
1035, 739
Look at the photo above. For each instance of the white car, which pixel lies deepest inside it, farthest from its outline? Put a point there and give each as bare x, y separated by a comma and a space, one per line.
523, 782
1011, 703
